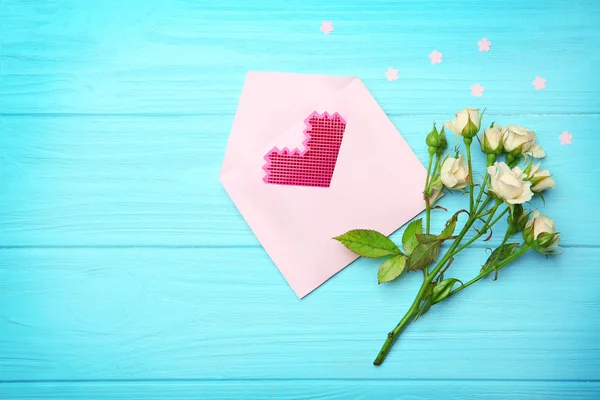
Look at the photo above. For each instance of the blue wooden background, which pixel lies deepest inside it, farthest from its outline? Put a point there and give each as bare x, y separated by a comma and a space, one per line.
126, 272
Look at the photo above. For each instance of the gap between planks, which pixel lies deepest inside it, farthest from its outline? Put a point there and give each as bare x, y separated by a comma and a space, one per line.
169, 115
207, 246
20, 381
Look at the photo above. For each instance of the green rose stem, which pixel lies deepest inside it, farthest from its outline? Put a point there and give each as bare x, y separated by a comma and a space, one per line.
524, 249
507, 235
481, 191
427, 194
468, 142
414, 308
422, 249
486, 226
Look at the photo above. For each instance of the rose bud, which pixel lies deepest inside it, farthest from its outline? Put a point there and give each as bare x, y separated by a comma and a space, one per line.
466, 123
540, 180
442, 143
540, 232
432, 140
491, 141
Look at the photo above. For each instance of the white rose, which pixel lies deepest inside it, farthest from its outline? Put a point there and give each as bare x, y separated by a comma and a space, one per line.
454, 172
518, 139
539, 224
460, 124
540, 180
509, 185
536, 151
491, 141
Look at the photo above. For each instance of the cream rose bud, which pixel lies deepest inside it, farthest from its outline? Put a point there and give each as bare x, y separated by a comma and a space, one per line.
509, 184
541, 231
454, 172
540, 180
517, 139
466, 123
491, 141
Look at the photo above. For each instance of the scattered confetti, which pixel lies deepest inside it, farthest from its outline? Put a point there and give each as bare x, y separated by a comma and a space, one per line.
477, 90
435, 57
327, 27
484, 44
565, 138
391, 74
539, 83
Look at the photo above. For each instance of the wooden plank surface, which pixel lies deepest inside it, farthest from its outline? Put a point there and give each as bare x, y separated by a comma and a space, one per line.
314, 390
153, 181
208, 313
127, 273
189, 56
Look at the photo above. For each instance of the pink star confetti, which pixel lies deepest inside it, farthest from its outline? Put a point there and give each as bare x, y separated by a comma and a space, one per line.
327, 27
484, 44
539, 83
435, 57
565, 138
391, 74
477, 90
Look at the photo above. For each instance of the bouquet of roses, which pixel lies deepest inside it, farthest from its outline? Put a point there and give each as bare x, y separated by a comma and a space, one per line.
512, 178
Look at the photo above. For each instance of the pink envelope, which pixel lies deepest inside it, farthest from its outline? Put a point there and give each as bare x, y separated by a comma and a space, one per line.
298, 187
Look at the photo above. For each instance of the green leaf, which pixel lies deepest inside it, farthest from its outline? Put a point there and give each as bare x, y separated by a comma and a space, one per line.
409, 237
443, 289
542, 197
436, 183
481, 117
449, 229
391, 268
426, 238
423, 255
428, 290
368, 243
450, 226
427, 303
499, 254
557, 251
425, 300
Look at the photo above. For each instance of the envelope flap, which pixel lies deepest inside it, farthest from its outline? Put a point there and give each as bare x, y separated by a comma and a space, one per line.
271, 103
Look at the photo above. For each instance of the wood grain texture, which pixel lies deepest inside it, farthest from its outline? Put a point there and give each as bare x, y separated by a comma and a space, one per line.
153, 181
208, 313
314, 390
127, 273
189, 56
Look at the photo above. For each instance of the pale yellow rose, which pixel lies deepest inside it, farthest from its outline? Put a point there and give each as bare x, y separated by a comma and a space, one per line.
518, 139
454, 172
509, 184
